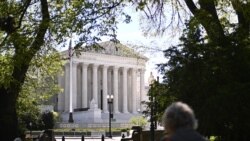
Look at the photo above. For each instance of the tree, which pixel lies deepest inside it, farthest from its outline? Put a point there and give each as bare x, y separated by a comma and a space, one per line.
48, 120
29, 26
218, 18
213, 80
158, 100
39, 87
210, 68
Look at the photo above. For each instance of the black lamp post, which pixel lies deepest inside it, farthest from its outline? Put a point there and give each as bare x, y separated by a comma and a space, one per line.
110, 103
152, 126
151, 81
155, 104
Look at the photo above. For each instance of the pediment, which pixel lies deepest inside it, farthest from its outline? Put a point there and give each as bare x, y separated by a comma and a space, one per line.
116, 49
109, 48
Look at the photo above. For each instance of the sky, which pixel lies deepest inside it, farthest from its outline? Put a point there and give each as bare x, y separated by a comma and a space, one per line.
131, 34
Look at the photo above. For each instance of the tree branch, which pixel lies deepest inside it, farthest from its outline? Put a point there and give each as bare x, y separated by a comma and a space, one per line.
244, 24
191, 6
39, 39
207, 16
21, 66
209, 7
26, 5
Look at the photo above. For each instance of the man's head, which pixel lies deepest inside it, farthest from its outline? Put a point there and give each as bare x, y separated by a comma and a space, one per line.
179, 115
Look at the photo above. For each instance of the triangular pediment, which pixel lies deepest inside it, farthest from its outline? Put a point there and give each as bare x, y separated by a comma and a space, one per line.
117, 49
109, 48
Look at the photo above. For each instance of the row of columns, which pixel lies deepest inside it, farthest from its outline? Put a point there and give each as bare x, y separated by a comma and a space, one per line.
105, 68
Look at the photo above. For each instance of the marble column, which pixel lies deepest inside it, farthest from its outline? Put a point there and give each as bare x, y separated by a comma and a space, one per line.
66, 89
74, 85
115, 84
142, 87
125, 90
134, 90
95, 67
84, 85
79, 86
105, 88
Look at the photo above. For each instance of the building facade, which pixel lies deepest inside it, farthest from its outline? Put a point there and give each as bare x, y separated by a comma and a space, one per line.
96, 74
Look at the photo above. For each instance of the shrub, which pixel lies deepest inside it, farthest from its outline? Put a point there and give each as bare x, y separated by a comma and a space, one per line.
139, 121
48, 120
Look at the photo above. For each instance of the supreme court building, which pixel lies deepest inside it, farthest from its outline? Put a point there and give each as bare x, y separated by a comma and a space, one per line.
114, 70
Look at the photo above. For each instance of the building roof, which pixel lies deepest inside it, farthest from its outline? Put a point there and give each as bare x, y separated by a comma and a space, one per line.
119, 50
112, 48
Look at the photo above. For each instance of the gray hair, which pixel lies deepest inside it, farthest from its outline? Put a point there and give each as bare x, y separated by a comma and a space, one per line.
179, 115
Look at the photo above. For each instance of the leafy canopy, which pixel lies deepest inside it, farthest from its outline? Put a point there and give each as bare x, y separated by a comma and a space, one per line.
209, 69
32, 29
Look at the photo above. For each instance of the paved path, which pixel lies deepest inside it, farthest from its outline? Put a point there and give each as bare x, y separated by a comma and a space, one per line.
88, 139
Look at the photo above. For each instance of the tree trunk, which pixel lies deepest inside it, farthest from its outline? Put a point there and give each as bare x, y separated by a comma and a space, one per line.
21, 61
8, 115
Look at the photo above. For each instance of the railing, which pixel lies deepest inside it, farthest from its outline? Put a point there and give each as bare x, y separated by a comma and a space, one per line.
92, 125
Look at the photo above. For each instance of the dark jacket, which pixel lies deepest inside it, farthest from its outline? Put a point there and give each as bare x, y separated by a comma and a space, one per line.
185, 134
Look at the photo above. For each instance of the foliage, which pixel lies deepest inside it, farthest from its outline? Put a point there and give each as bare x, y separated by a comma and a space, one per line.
124, 129
48, 120
157, 92
30, 28
210, 68
213, 79
38, 88
217, 17
41, 79
138, 120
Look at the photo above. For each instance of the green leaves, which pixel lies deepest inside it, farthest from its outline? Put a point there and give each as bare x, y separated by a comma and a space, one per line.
138, 120
5, 70
42, 77
212, 79
30, 33
39, 87
159, 99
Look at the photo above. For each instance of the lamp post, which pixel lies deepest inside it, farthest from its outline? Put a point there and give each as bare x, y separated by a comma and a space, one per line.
152, 127
110, 102
155, 103
71, 120
151, 81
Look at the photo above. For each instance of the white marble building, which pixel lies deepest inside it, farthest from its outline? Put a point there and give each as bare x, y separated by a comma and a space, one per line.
115, 70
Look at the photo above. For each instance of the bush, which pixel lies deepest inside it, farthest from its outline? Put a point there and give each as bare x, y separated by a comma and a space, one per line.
48, 120
139, 121
124, 130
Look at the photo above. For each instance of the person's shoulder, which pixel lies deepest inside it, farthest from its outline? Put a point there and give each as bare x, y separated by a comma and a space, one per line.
187, 134
204, 139
165, 138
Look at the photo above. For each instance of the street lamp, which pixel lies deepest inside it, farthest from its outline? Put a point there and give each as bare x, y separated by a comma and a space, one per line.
151, 81
152, 126
110, 103
155, 103
71, 120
